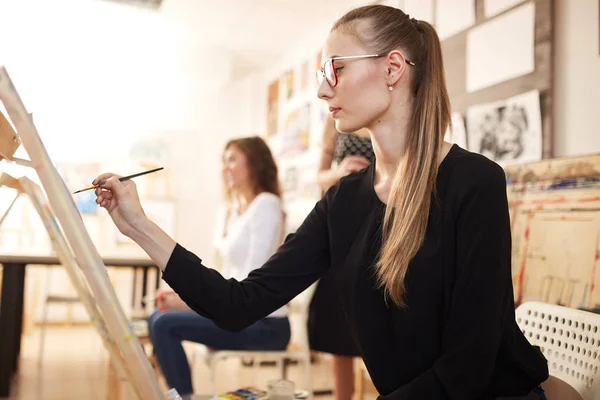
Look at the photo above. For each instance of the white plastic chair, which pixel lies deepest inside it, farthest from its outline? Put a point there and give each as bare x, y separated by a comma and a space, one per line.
298, 350
570, 340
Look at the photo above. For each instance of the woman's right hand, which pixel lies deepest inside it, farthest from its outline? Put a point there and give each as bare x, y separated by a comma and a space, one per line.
121, 200
352, 164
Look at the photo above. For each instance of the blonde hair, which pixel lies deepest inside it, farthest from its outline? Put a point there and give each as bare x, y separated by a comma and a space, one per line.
407, 213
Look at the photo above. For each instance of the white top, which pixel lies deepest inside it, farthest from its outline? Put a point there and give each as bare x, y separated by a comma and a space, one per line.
251, 238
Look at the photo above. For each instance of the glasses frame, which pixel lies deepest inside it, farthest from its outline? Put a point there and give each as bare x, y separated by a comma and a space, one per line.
322, 72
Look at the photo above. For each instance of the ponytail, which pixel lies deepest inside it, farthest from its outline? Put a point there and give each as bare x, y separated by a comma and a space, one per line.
407, 214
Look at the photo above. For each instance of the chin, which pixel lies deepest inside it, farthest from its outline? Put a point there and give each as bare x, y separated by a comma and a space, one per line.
346, 126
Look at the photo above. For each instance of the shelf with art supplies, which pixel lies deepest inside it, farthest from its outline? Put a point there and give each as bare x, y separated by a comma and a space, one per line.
77, 247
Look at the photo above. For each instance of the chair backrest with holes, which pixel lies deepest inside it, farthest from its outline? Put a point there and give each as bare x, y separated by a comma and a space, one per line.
570, 340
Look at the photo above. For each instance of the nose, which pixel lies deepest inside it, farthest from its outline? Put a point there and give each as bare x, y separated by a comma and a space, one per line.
325, 91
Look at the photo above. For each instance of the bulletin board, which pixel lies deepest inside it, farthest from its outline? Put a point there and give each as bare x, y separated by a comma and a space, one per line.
540, 79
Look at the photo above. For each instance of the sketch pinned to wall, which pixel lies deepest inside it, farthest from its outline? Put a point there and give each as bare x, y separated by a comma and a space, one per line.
289, 83
508, 131
458, 135
494, 7
501, 49
297, 131
77, 176
454, 16
273, 108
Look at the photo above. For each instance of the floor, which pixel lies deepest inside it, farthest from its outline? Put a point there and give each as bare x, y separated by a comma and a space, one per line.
74, 366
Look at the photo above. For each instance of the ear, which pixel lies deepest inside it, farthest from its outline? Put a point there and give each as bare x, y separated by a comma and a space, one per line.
396, 67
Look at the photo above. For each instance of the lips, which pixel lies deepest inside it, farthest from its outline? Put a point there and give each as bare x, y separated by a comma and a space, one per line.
334, 110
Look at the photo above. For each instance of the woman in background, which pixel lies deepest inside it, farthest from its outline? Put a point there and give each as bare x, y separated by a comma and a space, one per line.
342, 154
249, 232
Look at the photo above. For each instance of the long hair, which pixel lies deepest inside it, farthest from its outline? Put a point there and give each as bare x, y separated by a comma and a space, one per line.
261, 165
407, 213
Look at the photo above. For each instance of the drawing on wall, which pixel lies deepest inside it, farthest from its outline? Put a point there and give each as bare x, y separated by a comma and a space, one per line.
289, 83
507, 131
297, 131
458, 135
272, 108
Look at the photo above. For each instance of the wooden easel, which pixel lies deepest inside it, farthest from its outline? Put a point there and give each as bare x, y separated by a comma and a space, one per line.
9, 141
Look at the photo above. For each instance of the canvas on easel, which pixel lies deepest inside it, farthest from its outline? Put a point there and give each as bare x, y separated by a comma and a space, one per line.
142, 378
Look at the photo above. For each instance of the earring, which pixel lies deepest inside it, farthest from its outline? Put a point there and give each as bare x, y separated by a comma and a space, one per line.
390, 88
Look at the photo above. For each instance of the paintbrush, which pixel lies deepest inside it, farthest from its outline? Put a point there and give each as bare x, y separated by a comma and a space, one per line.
124, 178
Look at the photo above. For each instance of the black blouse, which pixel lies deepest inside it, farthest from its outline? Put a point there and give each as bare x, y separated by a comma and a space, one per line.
457, 338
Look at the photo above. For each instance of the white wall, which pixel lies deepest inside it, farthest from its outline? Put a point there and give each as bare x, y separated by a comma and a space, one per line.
577, 78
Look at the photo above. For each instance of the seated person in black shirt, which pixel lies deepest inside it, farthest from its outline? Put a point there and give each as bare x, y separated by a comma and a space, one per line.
419, 241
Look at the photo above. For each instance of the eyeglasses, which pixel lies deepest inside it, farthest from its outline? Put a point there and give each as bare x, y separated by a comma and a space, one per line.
329, 70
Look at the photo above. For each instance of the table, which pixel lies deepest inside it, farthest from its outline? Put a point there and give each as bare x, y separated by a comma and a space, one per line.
11, 304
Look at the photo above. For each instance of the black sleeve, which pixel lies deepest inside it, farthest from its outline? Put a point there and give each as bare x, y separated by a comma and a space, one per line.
234, 305
482, 291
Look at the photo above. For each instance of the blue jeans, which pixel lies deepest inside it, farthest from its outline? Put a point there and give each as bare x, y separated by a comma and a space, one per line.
168, 329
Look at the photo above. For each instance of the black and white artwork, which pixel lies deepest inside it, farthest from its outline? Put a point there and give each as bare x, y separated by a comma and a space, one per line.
507, 131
